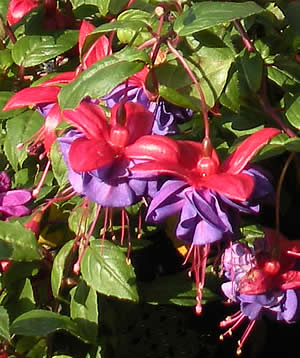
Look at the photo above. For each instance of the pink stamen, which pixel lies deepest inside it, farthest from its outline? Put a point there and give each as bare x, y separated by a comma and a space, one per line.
231, 319
246, 334
139, 227
105, 222
83, 239
236, 323
37, 190
122, 225
200, 254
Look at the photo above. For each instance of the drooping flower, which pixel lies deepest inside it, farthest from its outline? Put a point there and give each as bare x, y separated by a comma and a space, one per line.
95, 153
12, 202
167, 116
207, 196
277, 303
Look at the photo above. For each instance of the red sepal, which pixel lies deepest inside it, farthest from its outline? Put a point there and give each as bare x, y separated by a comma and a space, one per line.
153, 147
237, 187
90, 154
242, 155
89, 119
32, 96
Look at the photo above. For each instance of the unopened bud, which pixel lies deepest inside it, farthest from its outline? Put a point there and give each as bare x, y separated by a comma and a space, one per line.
159, 11
207, 147
121, 114
34, 224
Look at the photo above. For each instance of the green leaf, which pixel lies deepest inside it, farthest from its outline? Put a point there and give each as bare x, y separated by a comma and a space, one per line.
58, 165
252, 65
39, 350
207, 14
17, 243
212, 72
293, 144
41, 323
4, 97
20, 298
112, 26
104, 268
5, 59
173, 289
58, 267
20, 128
178, 99
100, 78
4, 325
33, 50
115, 6
126, 34
293, 111
3, 8
230, 98
84, 310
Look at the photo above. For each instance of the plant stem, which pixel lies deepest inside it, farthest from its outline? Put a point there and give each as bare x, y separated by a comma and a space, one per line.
245, 38
195, 81
269, 110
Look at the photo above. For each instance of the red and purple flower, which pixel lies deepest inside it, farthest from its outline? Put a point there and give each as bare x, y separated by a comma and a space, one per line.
95, 154
260, 297
207, 196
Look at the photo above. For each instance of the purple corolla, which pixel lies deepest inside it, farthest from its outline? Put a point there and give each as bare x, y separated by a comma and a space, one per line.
12, 202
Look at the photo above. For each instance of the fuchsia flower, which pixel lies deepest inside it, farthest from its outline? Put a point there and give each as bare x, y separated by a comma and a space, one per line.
44, 96
95, 154
262, 285
17, 9
12, 202
207, 196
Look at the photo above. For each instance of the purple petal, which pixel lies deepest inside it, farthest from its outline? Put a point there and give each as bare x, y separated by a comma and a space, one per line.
251, 310
14, 198
166, 202
14, 211
208, 209
206, 233
5, 182
187, 222
290, 307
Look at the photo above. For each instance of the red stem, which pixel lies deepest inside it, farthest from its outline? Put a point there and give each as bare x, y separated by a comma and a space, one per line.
245, 38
